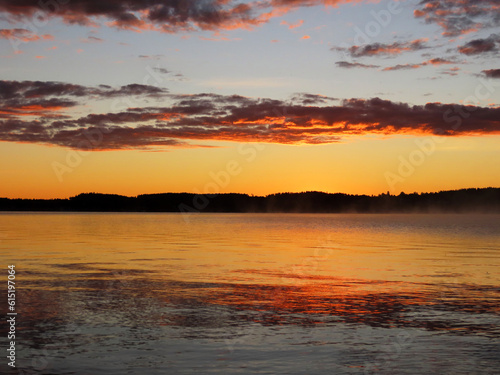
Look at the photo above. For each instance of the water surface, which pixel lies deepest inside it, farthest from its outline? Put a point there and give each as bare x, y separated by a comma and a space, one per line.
254, 293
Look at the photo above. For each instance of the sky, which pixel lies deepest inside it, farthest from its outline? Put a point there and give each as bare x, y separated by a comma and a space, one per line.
213, 96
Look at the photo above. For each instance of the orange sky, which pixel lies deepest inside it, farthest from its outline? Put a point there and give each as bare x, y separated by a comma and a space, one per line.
361, 165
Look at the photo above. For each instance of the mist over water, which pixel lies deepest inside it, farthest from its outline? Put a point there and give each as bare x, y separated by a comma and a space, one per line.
255, 293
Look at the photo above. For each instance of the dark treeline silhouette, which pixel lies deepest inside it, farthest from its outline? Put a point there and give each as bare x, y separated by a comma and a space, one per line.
465, 200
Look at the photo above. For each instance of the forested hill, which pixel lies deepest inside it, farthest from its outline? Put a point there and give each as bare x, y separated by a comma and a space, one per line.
465, 200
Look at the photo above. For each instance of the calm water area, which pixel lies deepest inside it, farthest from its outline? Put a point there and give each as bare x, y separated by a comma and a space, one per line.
142, 293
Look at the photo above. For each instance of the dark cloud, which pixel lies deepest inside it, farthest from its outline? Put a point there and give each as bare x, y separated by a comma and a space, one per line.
36, 89
173, 16
460, 17
348, 65
304, 119
377, 49
161, 70
480, 46
33, 89
135, 89
92, 39
167, 16
492, 73
436, 62
309, 99
48, 99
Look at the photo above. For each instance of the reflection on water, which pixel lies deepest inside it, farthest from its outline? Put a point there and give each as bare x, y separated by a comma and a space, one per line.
246, 294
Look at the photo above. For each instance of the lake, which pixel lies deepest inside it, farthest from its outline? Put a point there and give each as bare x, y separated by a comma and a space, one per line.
142, 293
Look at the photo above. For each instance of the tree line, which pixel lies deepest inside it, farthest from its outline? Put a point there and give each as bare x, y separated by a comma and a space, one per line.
464, 200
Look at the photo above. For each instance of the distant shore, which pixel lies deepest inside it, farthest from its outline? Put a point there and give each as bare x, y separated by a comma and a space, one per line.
485, 200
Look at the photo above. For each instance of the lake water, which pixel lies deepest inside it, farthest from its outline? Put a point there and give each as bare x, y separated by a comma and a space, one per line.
253, 293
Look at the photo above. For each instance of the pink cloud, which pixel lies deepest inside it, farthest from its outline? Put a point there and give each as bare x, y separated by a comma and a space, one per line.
292, 26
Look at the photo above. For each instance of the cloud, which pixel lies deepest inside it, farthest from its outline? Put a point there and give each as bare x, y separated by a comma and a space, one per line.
436, 62
309, 99
92, 39
14, 90
46, 108
294, 25
151, 57
134, 89
186, 119
23, 35
455, 17
180, 77
47, 99
306, 37
452, 71
348, 65
492, 73
480, 46
161, 70
376, 49
164, 16
171, 75
402, 67
460, 17
171, 16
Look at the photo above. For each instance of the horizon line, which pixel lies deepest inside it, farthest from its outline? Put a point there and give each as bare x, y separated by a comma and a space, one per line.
387, 193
